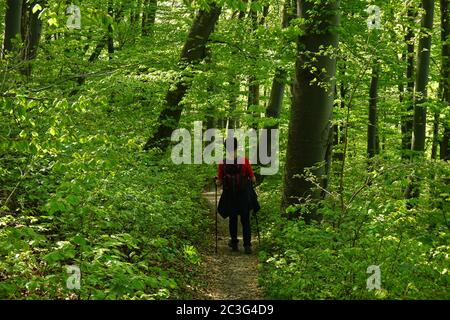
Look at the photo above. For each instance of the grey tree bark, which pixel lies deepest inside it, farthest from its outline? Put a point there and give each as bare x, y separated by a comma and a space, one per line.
313, 98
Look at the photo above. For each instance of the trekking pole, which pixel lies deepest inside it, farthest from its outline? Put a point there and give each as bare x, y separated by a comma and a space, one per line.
215, 185
257, 228
257, 225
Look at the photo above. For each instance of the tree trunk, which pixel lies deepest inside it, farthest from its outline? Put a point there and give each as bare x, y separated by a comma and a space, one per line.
280, 77
253, 98
275, 104
276, 95
338, 135
279, 81
242, 13
31, 35
110, 39
233, 96
235, 85
24, 21
12, 25
423, 67
194, 51
445, 145
372, 128
435, 144
253, 82
420, 111
309, 126
135, 13
149, 16
445, 76
407, 118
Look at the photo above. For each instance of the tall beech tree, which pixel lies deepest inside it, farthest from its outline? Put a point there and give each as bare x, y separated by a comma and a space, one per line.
312, 104
194, 51
420, 110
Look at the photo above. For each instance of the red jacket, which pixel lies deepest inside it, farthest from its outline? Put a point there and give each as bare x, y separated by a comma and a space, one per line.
246, 169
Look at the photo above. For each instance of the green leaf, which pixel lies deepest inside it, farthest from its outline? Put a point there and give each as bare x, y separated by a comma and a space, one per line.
73, 200
36, 8
52, 131
52, 22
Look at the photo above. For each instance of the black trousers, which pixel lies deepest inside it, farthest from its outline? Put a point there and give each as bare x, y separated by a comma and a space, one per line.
246, 230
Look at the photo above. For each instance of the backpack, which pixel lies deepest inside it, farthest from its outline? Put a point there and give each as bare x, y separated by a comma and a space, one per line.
234, 180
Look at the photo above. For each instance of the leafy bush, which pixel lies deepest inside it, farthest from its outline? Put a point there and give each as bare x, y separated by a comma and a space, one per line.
329, 260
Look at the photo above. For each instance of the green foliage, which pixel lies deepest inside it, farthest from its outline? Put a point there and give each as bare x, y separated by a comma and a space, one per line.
76, 188
329, 260
91, 198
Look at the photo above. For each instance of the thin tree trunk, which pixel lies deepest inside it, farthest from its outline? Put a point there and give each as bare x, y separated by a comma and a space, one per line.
423, 68
12, 25
276, 95
338, 136
279, 81
211, 112
136, 14
233, 95
110, 37
24, 21
309, 126
235, 86
253, 86
445, 75
445, 145
407, 117
194, 51
242, 13
434, 147
372, 140
149, 16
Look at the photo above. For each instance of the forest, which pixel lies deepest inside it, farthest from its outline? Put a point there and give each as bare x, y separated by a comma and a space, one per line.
354, 95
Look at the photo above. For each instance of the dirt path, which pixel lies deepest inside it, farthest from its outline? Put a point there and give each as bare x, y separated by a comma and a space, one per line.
229, 275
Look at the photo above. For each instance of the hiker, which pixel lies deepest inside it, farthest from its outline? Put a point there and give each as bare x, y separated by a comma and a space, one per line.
235, 176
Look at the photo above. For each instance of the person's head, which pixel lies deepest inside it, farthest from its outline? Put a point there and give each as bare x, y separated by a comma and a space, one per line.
231, 146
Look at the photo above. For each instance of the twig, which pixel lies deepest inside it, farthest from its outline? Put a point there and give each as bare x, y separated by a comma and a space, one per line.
22, 174
14, 95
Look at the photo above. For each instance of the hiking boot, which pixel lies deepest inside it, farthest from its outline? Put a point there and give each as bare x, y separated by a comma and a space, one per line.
248, 249
233, 245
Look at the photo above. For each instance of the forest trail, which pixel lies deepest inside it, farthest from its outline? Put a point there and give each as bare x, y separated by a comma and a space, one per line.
228, 275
